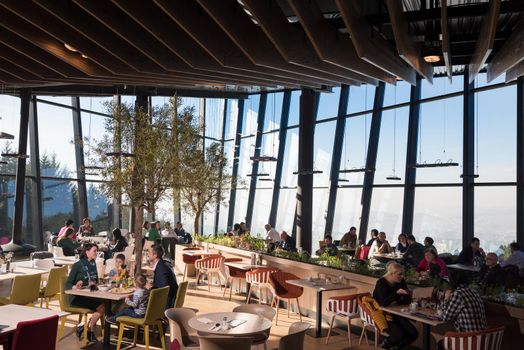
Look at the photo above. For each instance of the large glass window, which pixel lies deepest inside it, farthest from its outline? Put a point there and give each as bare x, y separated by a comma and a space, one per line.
354, 149
290, 159
395, 94
361, 98
320, 202
7, 204
386, 211
323, 151
59, 203
286, 210
261, 211
99, 208
214, 117
328, 104
442, 86
347, 211
273, 111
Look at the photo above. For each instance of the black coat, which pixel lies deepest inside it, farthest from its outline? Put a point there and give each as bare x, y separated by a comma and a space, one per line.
164, 276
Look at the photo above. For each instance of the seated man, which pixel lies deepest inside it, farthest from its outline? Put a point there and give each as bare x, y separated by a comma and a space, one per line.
374, 235
380, 246
414, 254
329, 247
271, 234
287, 242
491, 273
471, 253
349, 240
163, 274
516, 257
182, 236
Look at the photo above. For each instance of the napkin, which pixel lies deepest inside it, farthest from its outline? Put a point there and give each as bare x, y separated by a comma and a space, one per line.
236, 323
204, 320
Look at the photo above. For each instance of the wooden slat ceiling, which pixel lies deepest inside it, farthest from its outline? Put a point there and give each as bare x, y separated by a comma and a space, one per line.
244, 46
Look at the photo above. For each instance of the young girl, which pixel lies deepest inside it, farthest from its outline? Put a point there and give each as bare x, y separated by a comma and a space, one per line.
137, 302
119, 272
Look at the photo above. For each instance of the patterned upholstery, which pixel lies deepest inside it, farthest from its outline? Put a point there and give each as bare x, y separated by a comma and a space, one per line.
489, 339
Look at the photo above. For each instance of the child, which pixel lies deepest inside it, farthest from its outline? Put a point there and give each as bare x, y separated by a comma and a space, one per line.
119, 271
137, 301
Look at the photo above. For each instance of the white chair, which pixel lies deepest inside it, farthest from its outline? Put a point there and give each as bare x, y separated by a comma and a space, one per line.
102, 234
100, 267
110, 264
128, 252
345, 307
58, 252
489, 339
44, 264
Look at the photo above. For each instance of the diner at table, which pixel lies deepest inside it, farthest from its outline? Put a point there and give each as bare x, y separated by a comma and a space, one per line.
86, 229
66, 242
430, 260
349, 239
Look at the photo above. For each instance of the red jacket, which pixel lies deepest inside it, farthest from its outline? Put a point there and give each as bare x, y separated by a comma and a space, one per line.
424, 266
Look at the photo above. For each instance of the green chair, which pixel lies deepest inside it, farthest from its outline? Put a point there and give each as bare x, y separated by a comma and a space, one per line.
52, 288
181, 294
25, 290
153, 317
65, 306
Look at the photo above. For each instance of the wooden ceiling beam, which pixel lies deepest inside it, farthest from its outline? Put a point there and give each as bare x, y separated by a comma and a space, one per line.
510, 55
18, 71
292, 44
407, 46
446, 49
331, 45
515, 72
370, 45
485, 40
24, 61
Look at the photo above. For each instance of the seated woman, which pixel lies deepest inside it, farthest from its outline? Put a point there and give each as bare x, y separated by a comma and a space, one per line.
86, 229
84, 273
120, 242
120, 270
431, 258
402, 244
392, 289
66, 242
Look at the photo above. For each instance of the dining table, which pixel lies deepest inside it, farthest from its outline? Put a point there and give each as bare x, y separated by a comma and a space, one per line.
427, 318
320, 285
107, 297
240, 324
20, 271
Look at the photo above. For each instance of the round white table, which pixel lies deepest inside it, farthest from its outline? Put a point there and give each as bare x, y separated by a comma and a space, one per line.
206, 323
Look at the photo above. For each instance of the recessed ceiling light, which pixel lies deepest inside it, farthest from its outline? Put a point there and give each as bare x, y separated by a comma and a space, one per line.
84, 56
431, 58
69, 47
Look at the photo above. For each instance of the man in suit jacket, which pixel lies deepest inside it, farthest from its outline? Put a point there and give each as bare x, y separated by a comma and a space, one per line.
163, 273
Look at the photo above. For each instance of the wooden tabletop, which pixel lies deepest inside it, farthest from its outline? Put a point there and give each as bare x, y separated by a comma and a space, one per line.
253, 324
390, 256
199, 252
11, 314
319, 285
98, 294
465, 267
243, 265
402, 310
65, 260
20, 271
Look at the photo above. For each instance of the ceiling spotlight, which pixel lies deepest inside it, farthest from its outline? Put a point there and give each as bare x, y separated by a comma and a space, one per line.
432, 58
84, 56
70, 48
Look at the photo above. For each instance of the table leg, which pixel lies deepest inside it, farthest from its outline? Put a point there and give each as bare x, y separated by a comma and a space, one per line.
426, 336
318, 326
248, 285
107, 325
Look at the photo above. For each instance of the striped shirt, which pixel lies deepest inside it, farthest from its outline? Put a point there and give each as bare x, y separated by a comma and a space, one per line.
466, 309
139, 301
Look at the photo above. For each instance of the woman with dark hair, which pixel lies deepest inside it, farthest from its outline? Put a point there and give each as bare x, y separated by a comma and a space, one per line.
120, 241
86, 229
428, 243
431, 259
84, 273
67, 244
68, 224
402, 244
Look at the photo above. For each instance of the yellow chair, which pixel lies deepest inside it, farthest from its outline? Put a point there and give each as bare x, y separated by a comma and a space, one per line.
65, 306
153, 317
52, 288
181, 294
25, 290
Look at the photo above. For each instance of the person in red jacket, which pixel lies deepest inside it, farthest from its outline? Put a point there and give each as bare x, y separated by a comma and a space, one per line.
431, 258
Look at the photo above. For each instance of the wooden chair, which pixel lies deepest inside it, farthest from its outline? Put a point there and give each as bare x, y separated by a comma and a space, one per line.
231, 274
489, 339
259, 278
153, 317
52, 288
189, 260
66, 306
283, 290
210, 265
345, 307
180, 330
24, 291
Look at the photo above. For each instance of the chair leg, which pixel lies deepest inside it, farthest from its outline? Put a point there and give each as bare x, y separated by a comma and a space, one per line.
86, 328
267, 296
249, 294
61, 328
276, 304
231, 288
47, 303
209, 281
299, 313
146, 336
377, 337
161, 334
330, 328
120, 336
185, 271
288, 307
349, 331
41, 302
362, 334
135, 336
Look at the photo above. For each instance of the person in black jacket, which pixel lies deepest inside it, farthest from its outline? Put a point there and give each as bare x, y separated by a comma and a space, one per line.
414, 254
287, 242
392, 289
491, 273
163, 273
472, 252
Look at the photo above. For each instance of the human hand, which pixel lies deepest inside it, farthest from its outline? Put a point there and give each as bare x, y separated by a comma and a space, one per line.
78, 285
402, 291
149, 285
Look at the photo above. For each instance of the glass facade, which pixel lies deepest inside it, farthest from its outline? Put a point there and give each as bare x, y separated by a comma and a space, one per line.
438, 209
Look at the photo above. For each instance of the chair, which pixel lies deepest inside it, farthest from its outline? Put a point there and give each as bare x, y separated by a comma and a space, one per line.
259, 278
66, 306
367, 319
362, 252
41, 255
181, 294
36, 334
110, 264
58, 252
128, 251
346, 307
180, 330
153, 317
283, 290
46, 264
100, 267
188, 260
52, 288
231, 274
210, 265
221, 343
294, 340
489, 339
263, 310
24, 291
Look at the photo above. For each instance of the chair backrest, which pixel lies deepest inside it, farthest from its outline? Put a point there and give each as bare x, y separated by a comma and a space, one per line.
41, 255
47, 264
36, 334
370, 313
110, 264
295, 338
25, 289
489, 339
210, 262
345, 304
64, 298
230, 343
257, 309
58, 252
280, 286
260, 275
128, 251
175, 345
179, 323
156, 304
53, 281
181, 294
321, 244
364, 252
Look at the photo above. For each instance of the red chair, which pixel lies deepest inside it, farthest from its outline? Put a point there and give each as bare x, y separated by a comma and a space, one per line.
489, 339
283, 290
175, 345
363, 252
189, 260
37, 334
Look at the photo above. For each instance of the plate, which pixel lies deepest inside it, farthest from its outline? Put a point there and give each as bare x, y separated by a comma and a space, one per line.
119, 290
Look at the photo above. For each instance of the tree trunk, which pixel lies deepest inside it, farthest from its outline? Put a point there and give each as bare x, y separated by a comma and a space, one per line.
139, 218
196, 223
